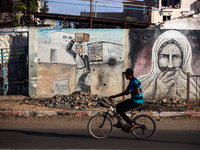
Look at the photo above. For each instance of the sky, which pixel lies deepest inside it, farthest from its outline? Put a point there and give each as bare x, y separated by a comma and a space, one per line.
74, 7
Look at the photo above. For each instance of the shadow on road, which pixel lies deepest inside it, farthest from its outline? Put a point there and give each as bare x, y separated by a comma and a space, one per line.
178, 138
46, 134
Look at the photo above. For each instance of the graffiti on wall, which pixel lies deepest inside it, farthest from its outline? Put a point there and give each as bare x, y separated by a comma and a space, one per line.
89, 56
170, 61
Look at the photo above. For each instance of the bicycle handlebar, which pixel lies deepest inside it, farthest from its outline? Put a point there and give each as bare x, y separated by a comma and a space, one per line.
111, 101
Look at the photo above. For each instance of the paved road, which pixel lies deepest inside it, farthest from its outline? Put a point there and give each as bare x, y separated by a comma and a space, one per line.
70, 134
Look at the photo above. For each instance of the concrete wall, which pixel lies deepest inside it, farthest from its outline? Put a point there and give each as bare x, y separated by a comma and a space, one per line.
160, 59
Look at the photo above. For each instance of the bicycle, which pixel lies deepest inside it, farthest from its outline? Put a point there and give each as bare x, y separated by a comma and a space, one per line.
100, 126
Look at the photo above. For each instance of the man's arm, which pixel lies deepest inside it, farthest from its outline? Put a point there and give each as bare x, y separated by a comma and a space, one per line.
137, 91
126, 92
69, 48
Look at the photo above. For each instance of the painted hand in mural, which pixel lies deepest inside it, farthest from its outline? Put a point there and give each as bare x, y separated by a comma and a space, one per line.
166, 83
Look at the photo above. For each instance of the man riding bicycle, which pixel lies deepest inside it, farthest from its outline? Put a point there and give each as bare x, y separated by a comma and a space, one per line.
135, 89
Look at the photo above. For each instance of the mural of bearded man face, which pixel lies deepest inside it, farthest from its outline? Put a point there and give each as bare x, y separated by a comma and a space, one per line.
170, 57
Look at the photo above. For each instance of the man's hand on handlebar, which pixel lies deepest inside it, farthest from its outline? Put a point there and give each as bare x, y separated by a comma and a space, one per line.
110, 99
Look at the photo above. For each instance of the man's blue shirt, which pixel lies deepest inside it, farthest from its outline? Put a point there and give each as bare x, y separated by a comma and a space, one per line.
133, 85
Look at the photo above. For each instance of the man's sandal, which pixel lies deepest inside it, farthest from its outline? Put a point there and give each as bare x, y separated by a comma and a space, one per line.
117, 125
132, 127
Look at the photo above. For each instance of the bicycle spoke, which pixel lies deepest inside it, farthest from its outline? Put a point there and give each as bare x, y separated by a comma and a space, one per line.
145, 127
96, 129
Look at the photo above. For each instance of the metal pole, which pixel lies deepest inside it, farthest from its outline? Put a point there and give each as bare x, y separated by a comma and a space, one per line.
123, 85
149, 14
196, 92
96, 10
188, 90
29, 11
91, 14
3, 70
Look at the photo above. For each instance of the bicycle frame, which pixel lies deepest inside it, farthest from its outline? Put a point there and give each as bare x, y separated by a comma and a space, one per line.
110, 109
100, 126
105, 114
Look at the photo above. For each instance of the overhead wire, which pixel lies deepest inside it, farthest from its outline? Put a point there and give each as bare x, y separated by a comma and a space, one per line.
117, 7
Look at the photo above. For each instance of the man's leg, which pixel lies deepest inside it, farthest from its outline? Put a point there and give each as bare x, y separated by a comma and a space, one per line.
124, 107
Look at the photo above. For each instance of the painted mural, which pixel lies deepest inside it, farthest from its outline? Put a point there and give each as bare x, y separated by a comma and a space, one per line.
67, 60
80, 55
171, 60
78, 60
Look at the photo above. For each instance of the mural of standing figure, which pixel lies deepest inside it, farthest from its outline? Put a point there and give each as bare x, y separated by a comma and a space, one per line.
171, 60
79, 50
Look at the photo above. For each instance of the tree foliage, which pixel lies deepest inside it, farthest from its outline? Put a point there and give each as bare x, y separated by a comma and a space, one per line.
45, 8
34, 5
21, 7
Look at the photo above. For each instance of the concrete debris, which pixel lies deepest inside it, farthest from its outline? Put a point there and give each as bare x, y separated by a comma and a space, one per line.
76, 101
172, 104
85, 101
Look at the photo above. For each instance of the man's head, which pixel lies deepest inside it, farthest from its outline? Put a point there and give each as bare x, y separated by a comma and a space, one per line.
79, 49
128, 73
170, 56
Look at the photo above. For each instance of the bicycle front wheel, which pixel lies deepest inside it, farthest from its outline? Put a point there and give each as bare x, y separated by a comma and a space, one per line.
145, 127
100, 127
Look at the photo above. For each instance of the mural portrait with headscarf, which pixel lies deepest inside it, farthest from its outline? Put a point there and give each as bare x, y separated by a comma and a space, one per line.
170, 62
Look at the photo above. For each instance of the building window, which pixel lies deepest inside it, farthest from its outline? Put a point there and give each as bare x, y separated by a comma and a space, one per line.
171, 3
165, 18
64, 37
53, 56
6, 5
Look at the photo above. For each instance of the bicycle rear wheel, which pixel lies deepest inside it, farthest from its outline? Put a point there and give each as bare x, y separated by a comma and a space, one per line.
100, 127
145, 128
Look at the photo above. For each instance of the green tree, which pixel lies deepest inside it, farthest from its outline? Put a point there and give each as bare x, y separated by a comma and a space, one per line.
21, 7
34, 5
45, 8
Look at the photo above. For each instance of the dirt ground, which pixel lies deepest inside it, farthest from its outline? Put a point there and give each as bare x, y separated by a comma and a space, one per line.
15, 105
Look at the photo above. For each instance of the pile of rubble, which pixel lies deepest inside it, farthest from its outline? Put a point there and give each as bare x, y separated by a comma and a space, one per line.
166, 105
77, 100
86, 101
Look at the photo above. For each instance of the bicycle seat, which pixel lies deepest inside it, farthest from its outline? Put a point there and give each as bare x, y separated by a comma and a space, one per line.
140, 108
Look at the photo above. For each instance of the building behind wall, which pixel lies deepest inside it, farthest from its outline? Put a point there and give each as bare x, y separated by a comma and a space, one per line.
171, 9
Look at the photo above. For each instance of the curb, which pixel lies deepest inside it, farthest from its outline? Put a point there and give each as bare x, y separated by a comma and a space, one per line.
92, 113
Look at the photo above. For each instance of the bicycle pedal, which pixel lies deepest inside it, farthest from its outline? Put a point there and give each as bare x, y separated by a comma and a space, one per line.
125, 129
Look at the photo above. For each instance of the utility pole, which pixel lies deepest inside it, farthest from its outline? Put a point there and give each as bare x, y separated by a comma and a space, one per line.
29, 11
149, 13
91, 13
96, 10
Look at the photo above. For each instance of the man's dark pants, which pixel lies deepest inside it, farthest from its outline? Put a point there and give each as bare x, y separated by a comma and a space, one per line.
124, 107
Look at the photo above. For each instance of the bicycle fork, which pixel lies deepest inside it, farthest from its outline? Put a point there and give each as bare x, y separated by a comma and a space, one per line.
105, 116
